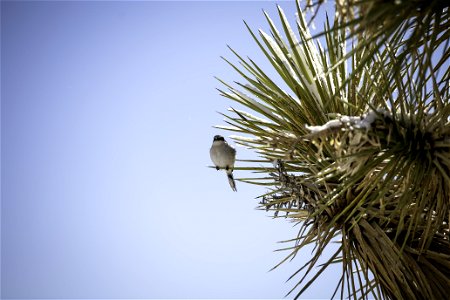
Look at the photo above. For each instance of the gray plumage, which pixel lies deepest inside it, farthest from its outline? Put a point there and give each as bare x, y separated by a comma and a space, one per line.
223, 156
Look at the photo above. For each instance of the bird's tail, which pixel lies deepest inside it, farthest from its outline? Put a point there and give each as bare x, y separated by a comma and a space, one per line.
231, 180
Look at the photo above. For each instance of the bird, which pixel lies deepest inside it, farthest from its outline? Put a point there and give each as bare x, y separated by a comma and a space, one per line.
223, 156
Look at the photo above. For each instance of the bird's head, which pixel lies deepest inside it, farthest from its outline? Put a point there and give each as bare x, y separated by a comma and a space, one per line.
218, 138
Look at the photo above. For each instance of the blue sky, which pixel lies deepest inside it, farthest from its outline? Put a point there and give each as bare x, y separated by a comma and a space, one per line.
106, 122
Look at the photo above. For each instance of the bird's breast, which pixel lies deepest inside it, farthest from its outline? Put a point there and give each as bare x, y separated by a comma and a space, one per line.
221, 157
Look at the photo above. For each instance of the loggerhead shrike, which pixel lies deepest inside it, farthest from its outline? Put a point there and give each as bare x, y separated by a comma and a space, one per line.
223, 157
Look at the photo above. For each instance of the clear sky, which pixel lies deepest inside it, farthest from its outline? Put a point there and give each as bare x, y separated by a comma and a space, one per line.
106, 122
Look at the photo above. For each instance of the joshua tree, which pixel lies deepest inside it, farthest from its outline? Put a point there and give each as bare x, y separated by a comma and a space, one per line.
358, 150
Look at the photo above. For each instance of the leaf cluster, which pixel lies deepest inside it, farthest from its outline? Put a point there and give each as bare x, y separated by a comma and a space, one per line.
358, 149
